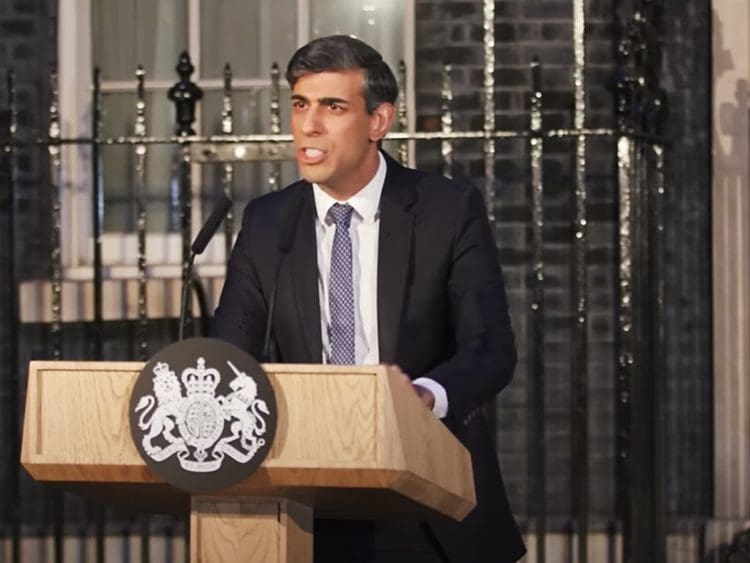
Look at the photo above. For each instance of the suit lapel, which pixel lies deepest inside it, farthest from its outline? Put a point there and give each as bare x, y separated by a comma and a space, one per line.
395, 255
304, 259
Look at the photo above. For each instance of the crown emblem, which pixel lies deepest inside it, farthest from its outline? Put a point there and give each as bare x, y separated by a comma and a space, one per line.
200, 381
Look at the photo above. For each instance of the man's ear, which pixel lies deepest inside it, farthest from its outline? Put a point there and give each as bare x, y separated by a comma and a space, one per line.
381, 120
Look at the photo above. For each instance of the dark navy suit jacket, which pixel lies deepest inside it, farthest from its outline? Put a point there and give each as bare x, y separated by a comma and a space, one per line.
442, 313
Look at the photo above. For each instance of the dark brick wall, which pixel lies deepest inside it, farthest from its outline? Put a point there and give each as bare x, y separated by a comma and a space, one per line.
28, 40
524, 30
451, 32
687, 77
27, 45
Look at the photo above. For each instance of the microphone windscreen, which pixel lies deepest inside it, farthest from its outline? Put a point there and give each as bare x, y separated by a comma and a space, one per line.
221, 208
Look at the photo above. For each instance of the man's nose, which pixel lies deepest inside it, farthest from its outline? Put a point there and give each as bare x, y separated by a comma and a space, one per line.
312, 123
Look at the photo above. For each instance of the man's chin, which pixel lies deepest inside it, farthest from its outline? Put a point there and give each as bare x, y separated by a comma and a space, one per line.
312, 176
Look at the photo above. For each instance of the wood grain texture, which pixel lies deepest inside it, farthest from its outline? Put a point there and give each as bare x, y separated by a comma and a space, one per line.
428, 451
345, 435
252, 530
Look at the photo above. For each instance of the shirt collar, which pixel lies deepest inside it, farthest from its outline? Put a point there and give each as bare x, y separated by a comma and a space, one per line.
365, 202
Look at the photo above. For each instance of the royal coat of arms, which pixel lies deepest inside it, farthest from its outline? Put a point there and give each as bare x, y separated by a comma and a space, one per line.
200, 427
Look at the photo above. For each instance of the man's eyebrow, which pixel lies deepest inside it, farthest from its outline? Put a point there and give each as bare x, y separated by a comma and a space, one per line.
332, 100
327, 100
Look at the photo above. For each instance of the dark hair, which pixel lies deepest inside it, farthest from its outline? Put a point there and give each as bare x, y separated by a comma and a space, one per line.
341, 52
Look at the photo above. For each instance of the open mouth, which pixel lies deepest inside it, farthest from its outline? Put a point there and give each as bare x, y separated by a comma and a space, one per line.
311, 155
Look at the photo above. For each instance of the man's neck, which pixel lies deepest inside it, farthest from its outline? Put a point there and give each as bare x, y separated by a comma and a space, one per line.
345, 192
365, 201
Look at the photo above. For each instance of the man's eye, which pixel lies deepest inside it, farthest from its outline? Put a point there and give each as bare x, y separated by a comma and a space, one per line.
335, 106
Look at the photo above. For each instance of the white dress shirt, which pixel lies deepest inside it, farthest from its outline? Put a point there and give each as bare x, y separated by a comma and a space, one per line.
363, 230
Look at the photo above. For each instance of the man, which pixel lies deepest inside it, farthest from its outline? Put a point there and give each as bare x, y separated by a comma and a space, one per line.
371, 262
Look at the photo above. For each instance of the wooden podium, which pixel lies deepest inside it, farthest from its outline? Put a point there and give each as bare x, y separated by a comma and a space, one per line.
351, 442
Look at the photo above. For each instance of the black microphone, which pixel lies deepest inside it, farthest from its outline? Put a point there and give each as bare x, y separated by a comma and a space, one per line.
221, 208
285, 245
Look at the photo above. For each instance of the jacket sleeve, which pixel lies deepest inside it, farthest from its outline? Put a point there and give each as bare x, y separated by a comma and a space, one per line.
485, 354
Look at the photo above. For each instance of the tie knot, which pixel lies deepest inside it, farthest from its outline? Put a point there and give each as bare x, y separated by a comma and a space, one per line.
341, 214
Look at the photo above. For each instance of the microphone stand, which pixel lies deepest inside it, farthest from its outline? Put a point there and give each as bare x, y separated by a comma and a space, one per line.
187, 282
285, 245
199, 245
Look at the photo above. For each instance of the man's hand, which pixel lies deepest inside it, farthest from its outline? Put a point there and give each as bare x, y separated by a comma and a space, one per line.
425, 395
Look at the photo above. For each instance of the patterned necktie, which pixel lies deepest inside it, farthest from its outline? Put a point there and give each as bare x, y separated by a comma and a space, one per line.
341, 288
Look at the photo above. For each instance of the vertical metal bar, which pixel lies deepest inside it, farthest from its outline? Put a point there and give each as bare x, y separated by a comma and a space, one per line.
579, 387
186, 226
625, 341
97, 511
12, 488
58, 516
536, 148
641, 407
274, 181
645, 471
403, 123
100, 516
641, 378
55, 232
144, 531
185, 94
446, 121
657, 357
54, 148
623, 393
227, 178
139, 176
489, 108
97, 208
657, 305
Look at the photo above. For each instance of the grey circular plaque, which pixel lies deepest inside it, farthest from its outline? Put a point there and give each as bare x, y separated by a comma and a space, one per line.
203, 414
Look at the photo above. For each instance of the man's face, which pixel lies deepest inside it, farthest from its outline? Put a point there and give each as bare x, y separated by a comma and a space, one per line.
335, 139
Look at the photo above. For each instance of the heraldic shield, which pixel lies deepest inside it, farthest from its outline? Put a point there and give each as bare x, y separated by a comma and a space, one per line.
203, 414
